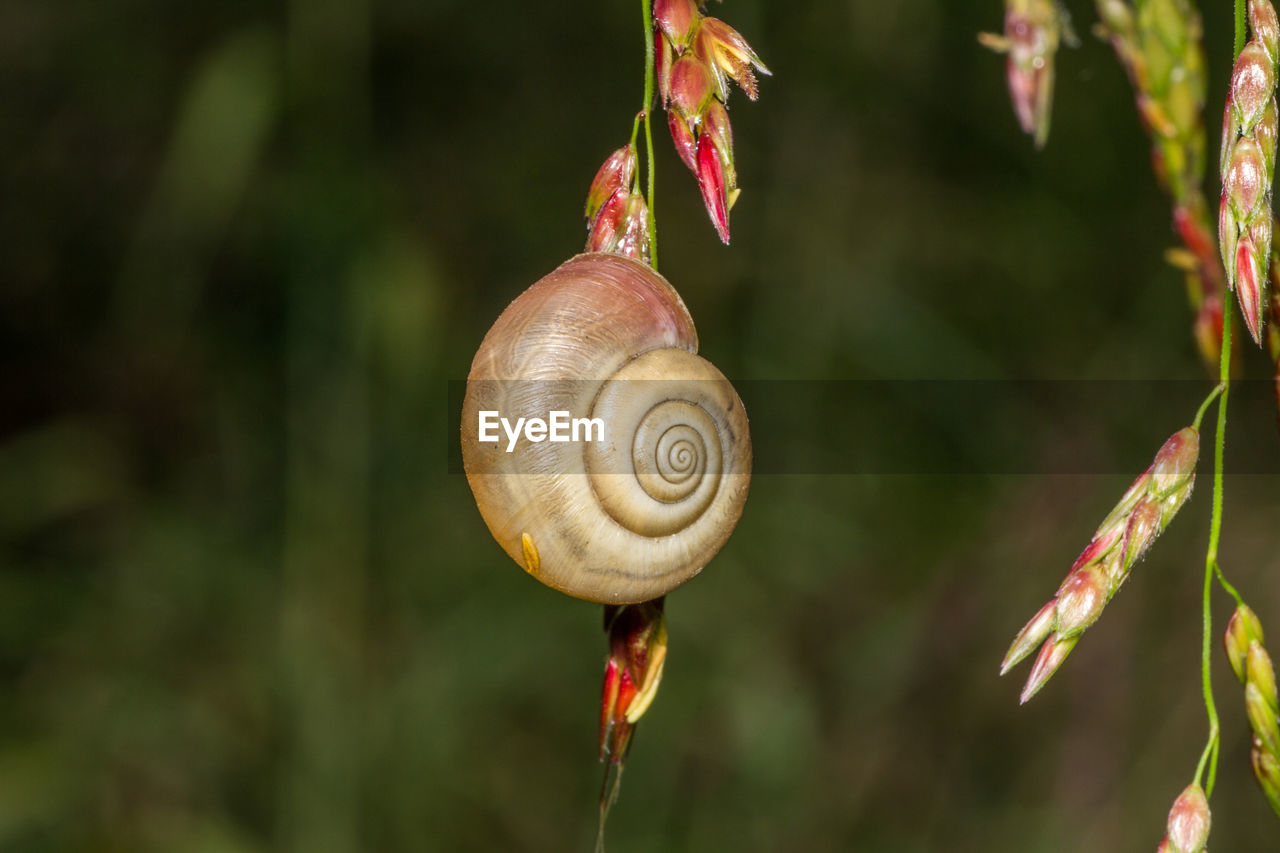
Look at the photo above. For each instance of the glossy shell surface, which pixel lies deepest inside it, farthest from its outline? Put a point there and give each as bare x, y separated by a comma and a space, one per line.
643, 507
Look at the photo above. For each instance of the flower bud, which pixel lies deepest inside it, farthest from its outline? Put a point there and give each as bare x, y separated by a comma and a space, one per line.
1243, 628
602, 232
676, 19
711, 181
1142, 530
690, 88
1031, 635
614, 174
634, 242
1175, 462
1189, 821
621, 227
1258, 670
1266, 769
1244, 186
1031, 34
1252, 85
1249, 282
1262, 718
686, 144
633, 671
1080, 600
715, 124
617, 685
1052, 654
1228, 238
1098, 548
1262, 18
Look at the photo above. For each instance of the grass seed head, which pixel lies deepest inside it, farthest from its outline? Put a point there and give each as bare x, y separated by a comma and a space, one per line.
729, 56
1052, 654
1259, 671
1266, 769
1175, 462
1189, 820
1247, 163
1159, 43
696, 58
676, 19
1033, 30
1262, 20
1080, 600
633, 671
622, 227
1253, 84
1243, 629
1262, 717
1031, 635
1144, 511
614, 174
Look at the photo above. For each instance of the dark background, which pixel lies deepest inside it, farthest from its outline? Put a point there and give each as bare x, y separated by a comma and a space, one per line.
246, 606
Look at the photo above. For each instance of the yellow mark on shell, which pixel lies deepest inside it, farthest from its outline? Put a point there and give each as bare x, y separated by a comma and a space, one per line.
532, 562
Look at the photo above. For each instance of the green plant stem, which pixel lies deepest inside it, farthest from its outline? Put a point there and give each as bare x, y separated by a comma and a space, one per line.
1239, 27
648, 129
1211, 569
635, 131
1222, 581
612, 782
1204, 407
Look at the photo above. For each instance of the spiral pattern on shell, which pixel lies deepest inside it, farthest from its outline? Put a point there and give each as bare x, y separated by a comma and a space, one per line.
641, 509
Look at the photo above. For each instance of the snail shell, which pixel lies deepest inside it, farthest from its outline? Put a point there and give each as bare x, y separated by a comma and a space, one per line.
642, 509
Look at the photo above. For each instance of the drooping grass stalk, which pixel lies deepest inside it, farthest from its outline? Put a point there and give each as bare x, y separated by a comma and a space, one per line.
612, 781
1209, 757
1211, 568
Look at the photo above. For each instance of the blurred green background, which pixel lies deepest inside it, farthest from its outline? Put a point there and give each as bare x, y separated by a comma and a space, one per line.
244, 604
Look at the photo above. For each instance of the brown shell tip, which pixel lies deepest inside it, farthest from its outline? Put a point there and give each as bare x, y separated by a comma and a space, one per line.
532, 563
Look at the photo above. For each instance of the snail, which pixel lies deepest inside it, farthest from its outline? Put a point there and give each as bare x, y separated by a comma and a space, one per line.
642, 498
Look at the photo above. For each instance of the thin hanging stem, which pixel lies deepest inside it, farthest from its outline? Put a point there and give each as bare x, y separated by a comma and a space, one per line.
609, 787
1209, 758
1204, 407
1211, 570
612, 781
